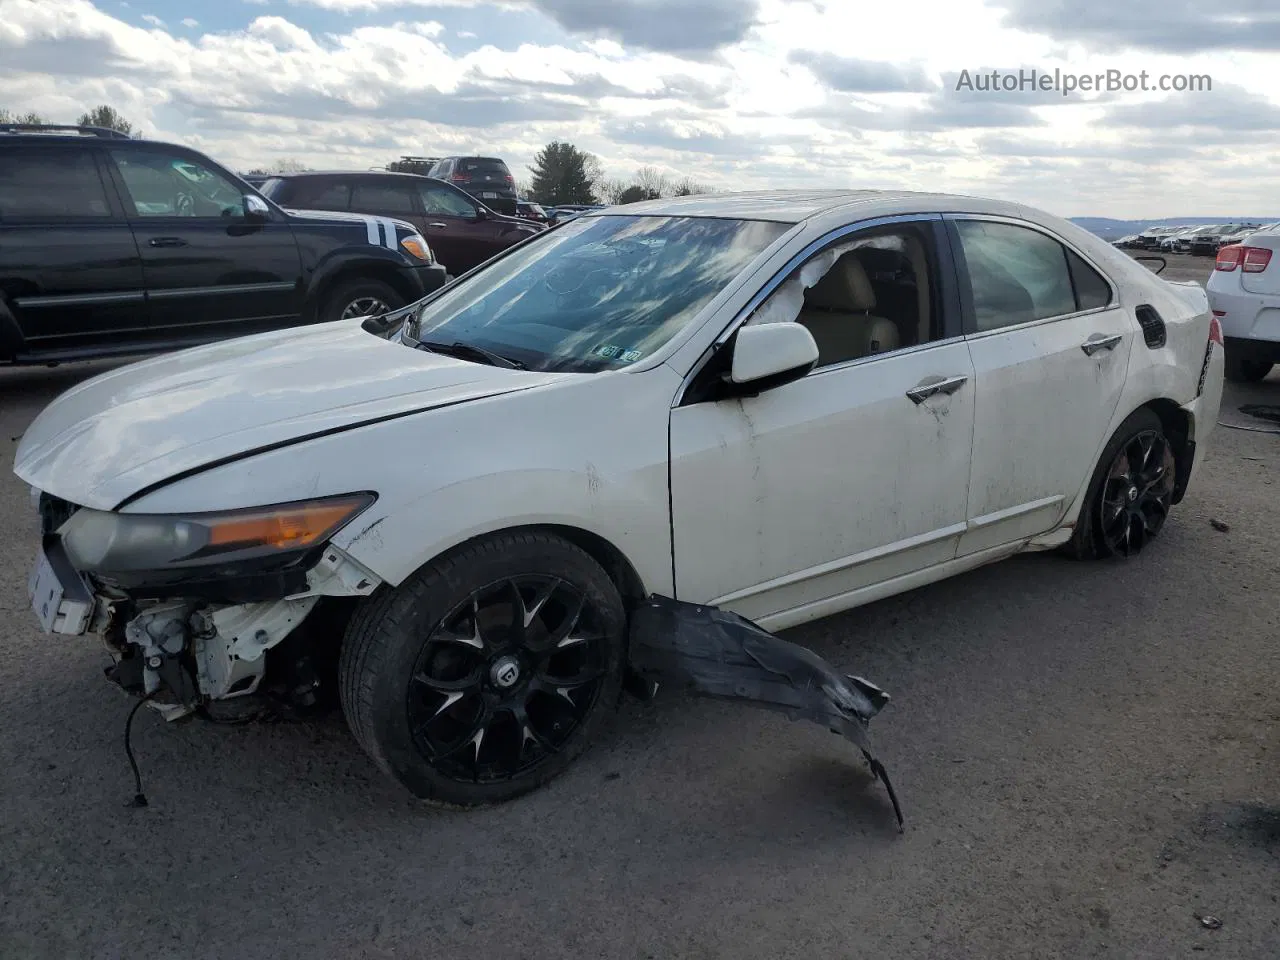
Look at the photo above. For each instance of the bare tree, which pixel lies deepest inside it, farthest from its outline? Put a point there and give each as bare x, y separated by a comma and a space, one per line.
687, 187
609, 189
522, 187
652, 181
29, 117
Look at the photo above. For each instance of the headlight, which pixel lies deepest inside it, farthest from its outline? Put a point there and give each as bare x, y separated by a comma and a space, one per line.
101, 541
416, 244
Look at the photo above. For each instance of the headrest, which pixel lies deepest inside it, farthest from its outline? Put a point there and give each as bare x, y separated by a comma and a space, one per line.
844, 287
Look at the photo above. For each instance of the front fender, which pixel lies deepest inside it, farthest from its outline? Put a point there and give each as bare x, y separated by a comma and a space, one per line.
589, 452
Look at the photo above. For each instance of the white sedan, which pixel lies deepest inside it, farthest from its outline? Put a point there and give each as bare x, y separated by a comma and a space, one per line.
783, 405
1244, 292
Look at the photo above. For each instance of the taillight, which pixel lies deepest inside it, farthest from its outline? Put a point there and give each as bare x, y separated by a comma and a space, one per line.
1256, 259
509, 178
1215, 329
1229, 258
461, 178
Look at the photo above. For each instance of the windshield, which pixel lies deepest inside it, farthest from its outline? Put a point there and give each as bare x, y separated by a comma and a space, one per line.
596, 294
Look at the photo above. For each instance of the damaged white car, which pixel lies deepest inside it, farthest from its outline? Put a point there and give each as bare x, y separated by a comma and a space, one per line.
779, 405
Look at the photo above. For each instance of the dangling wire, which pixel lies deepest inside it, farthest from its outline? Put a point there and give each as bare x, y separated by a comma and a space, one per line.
139, 798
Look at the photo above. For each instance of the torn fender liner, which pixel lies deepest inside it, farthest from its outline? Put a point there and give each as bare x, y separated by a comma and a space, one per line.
722, 655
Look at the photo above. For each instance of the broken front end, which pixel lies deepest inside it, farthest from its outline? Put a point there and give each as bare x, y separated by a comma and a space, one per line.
200, 609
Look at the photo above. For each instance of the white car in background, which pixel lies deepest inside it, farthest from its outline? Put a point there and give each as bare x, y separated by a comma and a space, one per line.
784, 405
1244, 292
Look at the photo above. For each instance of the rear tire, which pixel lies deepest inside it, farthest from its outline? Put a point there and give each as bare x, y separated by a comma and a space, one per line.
1129, 495
487, 672
1243, 369
358, 297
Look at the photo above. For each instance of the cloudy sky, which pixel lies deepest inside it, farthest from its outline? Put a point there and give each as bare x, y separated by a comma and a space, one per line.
736, 93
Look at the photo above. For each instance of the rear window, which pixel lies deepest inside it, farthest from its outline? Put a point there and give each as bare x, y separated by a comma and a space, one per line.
39, 182
483, 165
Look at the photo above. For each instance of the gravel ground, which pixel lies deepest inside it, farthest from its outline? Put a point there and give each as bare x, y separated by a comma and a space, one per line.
1086, 754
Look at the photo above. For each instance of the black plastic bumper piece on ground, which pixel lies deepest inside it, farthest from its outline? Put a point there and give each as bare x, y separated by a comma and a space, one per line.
722, 655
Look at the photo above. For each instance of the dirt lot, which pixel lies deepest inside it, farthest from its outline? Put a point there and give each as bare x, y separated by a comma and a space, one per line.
1087, 755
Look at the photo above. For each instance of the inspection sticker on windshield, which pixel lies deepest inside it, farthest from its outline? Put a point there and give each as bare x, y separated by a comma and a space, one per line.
611, 351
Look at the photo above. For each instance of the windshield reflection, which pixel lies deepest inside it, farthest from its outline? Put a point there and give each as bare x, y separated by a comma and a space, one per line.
599, 293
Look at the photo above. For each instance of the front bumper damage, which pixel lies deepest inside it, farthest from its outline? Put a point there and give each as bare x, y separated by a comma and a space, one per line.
719, 654
184, 654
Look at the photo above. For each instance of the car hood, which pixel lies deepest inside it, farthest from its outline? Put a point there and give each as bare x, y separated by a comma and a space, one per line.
106, 440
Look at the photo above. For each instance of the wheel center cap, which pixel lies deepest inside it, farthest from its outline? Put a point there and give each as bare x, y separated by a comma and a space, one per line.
1133, 494
505, 672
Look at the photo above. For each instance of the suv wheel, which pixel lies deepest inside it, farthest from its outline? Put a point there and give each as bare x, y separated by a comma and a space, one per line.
361, 297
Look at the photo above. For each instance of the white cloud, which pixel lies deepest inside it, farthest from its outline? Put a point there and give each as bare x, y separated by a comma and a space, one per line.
791, 103
152, 19
190, 22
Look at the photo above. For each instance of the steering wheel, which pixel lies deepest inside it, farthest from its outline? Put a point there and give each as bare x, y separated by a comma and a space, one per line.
184, 205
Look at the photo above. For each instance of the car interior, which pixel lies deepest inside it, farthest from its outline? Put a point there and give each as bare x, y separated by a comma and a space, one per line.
875, 298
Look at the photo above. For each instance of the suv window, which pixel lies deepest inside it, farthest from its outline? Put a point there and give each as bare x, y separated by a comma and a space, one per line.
1017, 274
317, 194
171, 185
37, 182
483, 165
439, 200
870, 293
374, 197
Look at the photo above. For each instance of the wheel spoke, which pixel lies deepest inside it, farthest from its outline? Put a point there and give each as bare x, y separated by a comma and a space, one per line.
532, 610
473, 738
470, 638
528, 732
447, 686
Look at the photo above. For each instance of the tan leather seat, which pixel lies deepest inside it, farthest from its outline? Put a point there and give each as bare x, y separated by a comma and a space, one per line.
837, 311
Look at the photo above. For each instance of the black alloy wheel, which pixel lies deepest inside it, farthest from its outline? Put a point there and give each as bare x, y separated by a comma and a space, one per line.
1136, 493
506, 677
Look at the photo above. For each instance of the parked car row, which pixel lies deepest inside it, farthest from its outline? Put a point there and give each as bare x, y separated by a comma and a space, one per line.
463, 232
112, 246
1199, 239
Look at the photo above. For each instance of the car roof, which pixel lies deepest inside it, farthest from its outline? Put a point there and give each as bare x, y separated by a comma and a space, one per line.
793, 206
302, 174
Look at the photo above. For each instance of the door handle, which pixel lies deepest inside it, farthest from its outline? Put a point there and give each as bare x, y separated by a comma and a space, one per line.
932, 386
166, 242
439, 226
1100, 341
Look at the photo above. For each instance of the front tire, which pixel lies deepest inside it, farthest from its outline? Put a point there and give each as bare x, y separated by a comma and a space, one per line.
359, 297
1130, 494
1243, 369
487, 672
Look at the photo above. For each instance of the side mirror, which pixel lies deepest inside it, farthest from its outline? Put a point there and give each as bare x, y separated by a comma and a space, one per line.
256, 209
482, 213
770, 354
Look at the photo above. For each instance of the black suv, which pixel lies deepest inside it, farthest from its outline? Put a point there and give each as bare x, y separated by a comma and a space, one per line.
110, 245
485, 178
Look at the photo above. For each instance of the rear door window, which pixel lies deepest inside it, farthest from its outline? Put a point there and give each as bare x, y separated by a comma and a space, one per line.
375, 197
1016, 274
37, 182
322, 195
